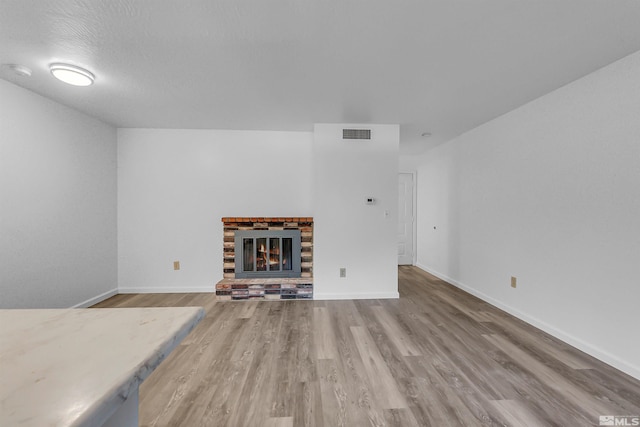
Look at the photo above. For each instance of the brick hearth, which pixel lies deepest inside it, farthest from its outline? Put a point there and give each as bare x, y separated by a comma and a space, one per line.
267, 288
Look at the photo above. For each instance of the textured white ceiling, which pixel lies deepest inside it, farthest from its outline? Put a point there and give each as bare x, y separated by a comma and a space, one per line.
439, 66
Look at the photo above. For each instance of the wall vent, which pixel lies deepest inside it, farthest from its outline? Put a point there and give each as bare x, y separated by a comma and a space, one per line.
356, 133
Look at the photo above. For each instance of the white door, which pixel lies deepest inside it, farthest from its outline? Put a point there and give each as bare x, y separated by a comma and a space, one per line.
405, 218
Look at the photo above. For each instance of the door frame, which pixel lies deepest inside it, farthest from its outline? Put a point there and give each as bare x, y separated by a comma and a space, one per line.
414, 231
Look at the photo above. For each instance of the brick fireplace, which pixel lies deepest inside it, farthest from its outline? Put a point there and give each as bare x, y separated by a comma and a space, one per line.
232, 287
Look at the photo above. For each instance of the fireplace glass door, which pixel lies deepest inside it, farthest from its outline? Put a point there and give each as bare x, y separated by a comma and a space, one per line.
268, 253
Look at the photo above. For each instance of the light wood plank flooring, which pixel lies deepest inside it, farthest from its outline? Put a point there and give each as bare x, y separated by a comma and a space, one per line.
435, 357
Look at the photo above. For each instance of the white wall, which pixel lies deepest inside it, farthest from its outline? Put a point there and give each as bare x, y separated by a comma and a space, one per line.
549, 193
409, 162
57, 204
174, 186
349, 233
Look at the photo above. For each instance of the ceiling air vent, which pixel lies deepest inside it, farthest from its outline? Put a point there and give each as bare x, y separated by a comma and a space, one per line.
356, 133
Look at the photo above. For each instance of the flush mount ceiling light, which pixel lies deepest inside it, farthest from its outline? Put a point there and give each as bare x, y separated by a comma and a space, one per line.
71, 74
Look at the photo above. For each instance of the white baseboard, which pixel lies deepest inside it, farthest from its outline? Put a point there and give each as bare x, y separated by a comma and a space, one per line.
588, 348
167, 290
377, 295
95, 300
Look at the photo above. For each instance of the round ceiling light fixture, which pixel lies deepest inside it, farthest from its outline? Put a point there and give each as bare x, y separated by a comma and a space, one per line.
72, 74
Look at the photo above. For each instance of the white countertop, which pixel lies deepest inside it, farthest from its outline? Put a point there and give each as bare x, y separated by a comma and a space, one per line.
75, 367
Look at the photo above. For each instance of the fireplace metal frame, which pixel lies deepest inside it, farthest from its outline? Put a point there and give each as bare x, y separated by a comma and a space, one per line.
295, 235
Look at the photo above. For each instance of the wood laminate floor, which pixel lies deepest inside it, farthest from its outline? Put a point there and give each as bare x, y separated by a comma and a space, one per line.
435, 357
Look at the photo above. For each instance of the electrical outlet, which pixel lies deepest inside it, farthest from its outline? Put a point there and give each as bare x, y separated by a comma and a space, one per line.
176, 265
513, 282
343, 272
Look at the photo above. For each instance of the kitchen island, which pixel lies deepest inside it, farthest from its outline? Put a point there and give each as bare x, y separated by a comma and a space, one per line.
83, 367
